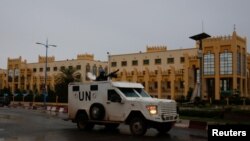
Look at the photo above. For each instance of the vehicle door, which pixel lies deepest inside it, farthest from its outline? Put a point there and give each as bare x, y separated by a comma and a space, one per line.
115, 107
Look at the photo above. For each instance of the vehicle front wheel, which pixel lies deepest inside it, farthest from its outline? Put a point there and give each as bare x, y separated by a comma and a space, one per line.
138, 126
82, 122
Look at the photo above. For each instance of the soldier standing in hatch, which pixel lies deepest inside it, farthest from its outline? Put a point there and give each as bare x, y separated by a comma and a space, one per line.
102, 76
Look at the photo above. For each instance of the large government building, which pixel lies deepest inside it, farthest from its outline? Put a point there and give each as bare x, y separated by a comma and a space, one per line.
172, 73
31, 76
164, 73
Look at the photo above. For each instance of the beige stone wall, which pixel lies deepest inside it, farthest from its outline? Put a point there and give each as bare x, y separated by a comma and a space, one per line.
162, 79
3, 81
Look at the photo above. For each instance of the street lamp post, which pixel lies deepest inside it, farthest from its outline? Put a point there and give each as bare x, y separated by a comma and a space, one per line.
108, 62
46, 45
200, 37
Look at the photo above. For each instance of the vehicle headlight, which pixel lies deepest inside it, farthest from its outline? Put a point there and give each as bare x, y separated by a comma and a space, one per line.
152, 109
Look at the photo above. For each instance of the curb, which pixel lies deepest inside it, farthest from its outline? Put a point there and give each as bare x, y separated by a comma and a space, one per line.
192, 124
60, 109
57, 109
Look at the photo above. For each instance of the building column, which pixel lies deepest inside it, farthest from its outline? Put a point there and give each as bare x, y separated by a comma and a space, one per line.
25, 79
13, 84
159, 83
172, 80
246, 84
135, 76
124, 74
248, 87
19, 79
241, 87
234, 82
38, 84
53, 82
185, 75
234, 51
245, 87
217, 87
146, 79
31, 83
159, 90
217, 75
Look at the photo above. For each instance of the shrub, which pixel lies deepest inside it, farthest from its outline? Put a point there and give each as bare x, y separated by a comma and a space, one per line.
202, 113
19, 97
28, 98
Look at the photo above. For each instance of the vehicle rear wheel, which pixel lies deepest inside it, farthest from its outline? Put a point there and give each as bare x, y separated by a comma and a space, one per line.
82, 122
164, 128
138, 126
97, 112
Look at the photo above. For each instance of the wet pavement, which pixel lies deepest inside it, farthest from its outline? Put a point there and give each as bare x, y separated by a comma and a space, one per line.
17, 124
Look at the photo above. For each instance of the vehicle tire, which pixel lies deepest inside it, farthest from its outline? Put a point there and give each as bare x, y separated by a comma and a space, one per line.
164, 128
97, 112
82, 122
138, 126
112, 126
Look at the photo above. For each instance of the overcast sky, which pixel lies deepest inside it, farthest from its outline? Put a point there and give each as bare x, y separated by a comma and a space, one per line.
115, 26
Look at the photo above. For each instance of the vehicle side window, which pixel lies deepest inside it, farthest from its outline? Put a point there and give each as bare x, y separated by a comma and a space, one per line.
128, 92
94, 87
113, 96
75, 88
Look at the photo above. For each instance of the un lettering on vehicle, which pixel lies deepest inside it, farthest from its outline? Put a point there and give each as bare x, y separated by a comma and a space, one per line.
85, 96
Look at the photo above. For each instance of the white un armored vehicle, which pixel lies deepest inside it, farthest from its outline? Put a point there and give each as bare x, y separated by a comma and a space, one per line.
111, 103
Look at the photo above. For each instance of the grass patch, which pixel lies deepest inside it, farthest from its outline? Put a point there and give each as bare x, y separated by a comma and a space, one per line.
220, 115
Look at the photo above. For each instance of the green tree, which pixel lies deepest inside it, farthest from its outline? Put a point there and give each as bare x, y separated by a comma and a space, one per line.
51, 95
6, 90
66, 76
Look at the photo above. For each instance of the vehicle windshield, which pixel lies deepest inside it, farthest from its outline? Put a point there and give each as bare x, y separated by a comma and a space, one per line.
129, 92
141, 92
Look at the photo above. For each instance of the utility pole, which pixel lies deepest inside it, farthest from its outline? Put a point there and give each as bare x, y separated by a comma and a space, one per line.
45, 92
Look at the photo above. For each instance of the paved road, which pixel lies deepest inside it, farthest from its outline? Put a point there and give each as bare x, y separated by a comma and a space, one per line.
17, 124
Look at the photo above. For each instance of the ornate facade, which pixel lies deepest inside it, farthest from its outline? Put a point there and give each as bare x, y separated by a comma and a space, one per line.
164, 73
171, 73
31, 76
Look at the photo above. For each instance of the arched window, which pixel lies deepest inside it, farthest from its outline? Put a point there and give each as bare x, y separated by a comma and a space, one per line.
94, 70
